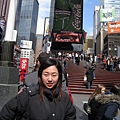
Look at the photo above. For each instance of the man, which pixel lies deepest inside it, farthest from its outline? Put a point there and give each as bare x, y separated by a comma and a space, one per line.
32, 78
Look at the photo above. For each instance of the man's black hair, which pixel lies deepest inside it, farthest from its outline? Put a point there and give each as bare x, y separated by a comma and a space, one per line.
43, 57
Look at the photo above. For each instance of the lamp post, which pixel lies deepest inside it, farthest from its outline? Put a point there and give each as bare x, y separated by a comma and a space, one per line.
101, 49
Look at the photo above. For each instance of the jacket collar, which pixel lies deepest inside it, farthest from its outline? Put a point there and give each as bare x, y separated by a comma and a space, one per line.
106, 98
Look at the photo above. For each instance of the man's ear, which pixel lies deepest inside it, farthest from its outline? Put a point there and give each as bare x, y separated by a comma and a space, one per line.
38, 62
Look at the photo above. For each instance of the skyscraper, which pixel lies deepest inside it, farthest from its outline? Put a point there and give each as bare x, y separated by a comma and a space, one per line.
26, 20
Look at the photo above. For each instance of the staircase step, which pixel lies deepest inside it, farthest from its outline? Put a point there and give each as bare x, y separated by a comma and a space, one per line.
76, 75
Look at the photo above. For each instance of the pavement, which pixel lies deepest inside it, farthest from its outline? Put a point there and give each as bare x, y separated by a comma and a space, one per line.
78, 100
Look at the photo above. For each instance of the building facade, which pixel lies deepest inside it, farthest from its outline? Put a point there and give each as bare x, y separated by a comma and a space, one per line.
88, 45
95, 26
38, 45
26, 21
107, 43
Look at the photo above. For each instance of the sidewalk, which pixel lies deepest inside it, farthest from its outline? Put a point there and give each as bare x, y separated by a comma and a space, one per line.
78, 102
79, 99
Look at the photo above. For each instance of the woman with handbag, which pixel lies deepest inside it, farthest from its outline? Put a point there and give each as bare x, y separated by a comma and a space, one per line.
89, 74
109, 104
100, 89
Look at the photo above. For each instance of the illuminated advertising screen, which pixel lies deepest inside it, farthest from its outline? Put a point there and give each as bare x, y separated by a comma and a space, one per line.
67, 37
68, 15
113, 27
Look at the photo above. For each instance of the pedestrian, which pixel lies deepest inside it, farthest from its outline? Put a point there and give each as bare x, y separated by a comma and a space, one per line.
87, 59
65, 81
89, 74
100, 89
46, 101
93, 65
108, 104
104, 63
32, 78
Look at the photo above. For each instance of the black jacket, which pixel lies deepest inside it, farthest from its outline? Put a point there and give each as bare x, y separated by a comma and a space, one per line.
94, 105
108, 106
29, 107
89, 74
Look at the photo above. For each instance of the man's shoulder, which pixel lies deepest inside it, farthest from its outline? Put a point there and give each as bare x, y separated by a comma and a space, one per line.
31, 78
32, 73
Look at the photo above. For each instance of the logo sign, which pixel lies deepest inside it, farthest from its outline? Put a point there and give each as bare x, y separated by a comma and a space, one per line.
26, 44
113, 27
68, 15
107, 15
68, 37
24, 64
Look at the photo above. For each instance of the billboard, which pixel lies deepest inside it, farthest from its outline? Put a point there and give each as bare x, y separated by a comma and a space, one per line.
26, 44
68, 16
113, 27
107, 15
67, 37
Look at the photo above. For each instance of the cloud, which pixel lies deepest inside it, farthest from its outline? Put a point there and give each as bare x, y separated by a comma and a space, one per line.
44, 11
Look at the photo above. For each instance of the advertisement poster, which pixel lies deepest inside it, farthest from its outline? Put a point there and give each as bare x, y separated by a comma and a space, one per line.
68, 37
113, 27
24, 64
107, 15
68, 15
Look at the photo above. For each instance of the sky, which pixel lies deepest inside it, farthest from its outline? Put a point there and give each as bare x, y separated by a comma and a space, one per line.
88, 11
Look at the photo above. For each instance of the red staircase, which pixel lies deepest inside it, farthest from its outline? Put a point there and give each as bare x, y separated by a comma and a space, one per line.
76, 74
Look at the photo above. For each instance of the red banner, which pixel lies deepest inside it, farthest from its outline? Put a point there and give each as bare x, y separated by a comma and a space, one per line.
24, 64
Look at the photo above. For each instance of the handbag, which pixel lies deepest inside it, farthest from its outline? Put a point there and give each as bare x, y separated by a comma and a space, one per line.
85, 78
87, 108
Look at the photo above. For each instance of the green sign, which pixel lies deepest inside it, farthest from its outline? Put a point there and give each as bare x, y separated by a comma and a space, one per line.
68, 15
107, 15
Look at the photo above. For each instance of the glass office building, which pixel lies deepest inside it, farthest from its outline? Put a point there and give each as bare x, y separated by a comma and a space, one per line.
26, 20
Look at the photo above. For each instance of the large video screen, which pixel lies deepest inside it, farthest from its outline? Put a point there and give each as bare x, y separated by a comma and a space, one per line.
68, 15
67, 37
